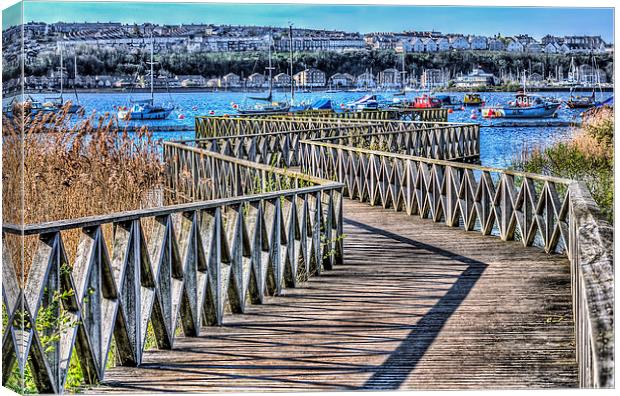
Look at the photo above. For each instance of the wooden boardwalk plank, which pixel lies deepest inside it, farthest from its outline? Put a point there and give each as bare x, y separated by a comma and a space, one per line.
416, 305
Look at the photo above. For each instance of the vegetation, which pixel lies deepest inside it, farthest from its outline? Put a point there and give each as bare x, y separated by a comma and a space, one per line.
95, 61
588, 157
58, 168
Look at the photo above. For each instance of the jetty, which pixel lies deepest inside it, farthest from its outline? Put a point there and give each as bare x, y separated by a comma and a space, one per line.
325, 252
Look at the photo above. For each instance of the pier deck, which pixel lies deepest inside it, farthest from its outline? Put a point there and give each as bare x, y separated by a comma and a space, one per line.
416, 305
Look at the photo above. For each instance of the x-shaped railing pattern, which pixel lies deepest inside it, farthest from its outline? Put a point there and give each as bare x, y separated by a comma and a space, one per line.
438, 141
177, 267
555, 214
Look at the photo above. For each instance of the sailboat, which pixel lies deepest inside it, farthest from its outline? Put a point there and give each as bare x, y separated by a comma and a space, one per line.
59, 103
584, 102
146, 109
267, 105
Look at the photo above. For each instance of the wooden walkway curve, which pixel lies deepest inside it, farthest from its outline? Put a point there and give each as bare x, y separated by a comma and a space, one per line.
416, 305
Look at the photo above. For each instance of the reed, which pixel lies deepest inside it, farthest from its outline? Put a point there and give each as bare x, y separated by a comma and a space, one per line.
61, 166
587, 156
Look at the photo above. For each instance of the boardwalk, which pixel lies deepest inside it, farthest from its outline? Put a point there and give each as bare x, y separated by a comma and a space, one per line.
416, 305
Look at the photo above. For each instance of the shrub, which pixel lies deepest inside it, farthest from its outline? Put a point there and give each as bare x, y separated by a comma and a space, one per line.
588, 157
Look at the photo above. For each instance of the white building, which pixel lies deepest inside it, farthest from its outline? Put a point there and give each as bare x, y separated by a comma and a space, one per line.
550, 48
430, 45
496, 44
459, 43
478, 42
443, 44
514, 46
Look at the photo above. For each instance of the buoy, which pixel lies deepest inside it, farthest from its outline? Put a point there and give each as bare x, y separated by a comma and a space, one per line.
235, 106
225, 115
450, 111
341, 104
211, 112
181, 117
462, 108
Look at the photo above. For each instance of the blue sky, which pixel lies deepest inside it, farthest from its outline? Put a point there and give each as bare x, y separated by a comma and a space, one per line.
475, 20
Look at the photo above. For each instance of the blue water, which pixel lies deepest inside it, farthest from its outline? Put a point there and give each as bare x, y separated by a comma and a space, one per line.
498, 145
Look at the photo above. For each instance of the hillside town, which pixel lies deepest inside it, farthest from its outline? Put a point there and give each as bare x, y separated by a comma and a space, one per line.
41, 39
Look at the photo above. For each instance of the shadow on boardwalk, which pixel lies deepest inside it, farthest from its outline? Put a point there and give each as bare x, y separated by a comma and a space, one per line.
415, 306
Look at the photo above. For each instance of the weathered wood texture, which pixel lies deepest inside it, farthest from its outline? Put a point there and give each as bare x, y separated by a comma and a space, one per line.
177, 266
440, 114
265, 138
555, 214
415, 305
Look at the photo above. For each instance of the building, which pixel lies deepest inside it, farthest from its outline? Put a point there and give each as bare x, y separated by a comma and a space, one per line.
190, 81
342, 80
230, 80
310, 78
443, 44
585, 43
533, 48
430, 45
282, 80
550, 48
496, 44
459, 43
256, 80
416, 44
478, 43
476, 78
514, 45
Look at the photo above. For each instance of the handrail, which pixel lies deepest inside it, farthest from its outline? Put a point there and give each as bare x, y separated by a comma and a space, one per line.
450, 192
592, 274
174, 266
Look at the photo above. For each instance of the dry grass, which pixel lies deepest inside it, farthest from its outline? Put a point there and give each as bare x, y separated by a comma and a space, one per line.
587, 156
59, 168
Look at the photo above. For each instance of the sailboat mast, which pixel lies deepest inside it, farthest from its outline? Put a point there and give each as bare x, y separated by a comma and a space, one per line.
61, 74
403, 72
290, 49
75, 75
270, 68
152, 67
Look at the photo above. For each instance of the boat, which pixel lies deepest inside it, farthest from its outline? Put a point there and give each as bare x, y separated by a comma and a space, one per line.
58, 102
524, 106
366, 102
449, 101
266, 105
472, 99
322, 104
426, 102
584, 102
145, 109
581, 102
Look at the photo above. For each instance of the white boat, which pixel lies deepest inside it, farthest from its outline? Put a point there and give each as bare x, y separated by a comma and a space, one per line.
145, 109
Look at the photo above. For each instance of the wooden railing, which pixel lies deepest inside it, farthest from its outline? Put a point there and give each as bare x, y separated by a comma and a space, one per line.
439, 114
210, 126
175, 267
555, 214
459, 142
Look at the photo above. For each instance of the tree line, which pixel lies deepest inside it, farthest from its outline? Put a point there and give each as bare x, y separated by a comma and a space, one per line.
94, 61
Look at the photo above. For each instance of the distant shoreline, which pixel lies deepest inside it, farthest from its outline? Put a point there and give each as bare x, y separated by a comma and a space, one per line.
241, 90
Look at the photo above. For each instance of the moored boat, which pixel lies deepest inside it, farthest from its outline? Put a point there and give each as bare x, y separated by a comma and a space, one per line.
450, 102
366, 102
426, 102
524, 106
145, 109
472, 99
